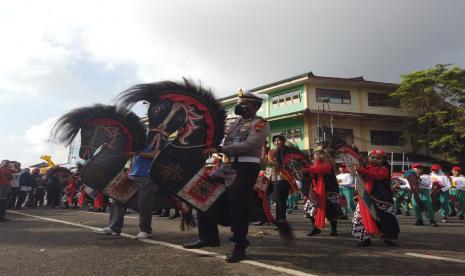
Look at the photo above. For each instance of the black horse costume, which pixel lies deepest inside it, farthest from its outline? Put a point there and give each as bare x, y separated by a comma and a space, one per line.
107, 133
184, 119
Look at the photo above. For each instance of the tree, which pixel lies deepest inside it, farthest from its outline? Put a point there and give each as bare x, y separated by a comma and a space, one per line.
437, 95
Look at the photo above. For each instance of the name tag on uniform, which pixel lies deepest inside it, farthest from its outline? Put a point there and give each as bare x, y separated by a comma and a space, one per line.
237, 139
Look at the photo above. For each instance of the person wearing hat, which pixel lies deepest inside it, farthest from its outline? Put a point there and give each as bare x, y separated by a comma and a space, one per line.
403, 195
458, 182
280, 184
378, 186
326, 189
347, 186
440, 179
425, 198
242, 147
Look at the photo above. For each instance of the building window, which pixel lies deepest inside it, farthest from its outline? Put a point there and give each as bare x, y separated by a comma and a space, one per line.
342, 132
387, 138
293, 135
382, 99
334, 96
325, 132
285, 99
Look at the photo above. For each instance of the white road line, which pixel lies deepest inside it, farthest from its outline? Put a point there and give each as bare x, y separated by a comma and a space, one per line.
175, 246
94, 213
435, 257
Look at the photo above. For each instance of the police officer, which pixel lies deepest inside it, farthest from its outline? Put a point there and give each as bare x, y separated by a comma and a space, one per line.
242, 147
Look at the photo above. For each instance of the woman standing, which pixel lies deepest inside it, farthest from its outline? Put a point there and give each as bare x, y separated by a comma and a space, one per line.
324, 203
378, 186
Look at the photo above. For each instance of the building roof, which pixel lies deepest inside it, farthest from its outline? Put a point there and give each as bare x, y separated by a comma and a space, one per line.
356, 81
310, 77
356, 115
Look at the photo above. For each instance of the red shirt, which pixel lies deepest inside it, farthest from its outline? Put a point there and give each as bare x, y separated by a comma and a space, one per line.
5, 174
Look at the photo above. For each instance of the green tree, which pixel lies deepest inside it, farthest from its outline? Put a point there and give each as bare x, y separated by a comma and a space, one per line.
437, 95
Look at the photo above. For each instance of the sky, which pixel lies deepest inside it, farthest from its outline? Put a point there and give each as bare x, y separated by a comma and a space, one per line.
60, 55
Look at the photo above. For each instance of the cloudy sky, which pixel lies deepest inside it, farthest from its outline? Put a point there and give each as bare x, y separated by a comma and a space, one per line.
58, 55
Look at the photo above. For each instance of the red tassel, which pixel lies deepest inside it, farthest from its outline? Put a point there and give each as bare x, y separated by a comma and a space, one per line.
321, 211
82, 198
265, 205
368, 221
98, 202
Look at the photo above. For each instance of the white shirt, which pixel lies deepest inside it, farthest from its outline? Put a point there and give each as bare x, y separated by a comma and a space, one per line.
14, 182
459, 181
425, 181
442, 179
405, 184
345, 179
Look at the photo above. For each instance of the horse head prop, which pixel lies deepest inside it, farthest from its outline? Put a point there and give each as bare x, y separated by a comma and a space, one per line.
106, 133
184, 119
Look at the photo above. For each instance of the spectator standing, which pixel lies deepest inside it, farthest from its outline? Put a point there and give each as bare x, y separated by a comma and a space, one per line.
14, 183
5, 177
40, 190
347, 185
26, 183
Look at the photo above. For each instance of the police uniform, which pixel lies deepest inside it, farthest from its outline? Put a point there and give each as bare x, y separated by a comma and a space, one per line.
242, 148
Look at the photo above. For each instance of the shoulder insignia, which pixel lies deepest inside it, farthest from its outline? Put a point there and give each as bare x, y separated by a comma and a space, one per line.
259, 125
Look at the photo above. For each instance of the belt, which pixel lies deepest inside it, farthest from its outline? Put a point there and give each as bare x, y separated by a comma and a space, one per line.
244, 159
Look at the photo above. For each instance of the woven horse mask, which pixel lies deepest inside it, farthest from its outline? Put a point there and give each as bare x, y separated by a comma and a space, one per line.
184, 118
119, 130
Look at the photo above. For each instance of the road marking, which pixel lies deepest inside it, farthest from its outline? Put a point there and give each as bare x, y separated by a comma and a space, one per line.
435, 257
175, 246
125, 216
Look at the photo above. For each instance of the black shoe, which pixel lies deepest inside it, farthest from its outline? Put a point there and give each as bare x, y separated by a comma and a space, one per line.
398, 212
407, 213
258, 223
344, 217
314, 232
418, 223
364, 243
433, 223
389, 243
461, 217
157, 212
237, 255
164, 214
201, 244
453, 214
4, 220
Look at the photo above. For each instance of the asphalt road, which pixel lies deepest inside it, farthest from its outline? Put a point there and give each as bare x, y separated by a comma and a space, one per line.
61, 242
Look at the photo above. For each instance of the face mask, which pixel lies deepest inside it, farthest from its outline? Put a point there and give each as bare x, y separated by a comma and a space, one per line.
239, 109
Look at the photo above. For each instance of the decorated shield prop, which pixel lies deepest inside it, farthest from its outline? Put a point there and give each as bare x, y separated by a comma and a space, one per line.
292, 162
414, 183
121, 188
351, 158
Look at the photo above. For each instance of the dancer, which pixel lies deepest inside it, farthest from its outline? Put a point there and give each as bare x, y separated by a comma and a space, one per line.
378, 186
